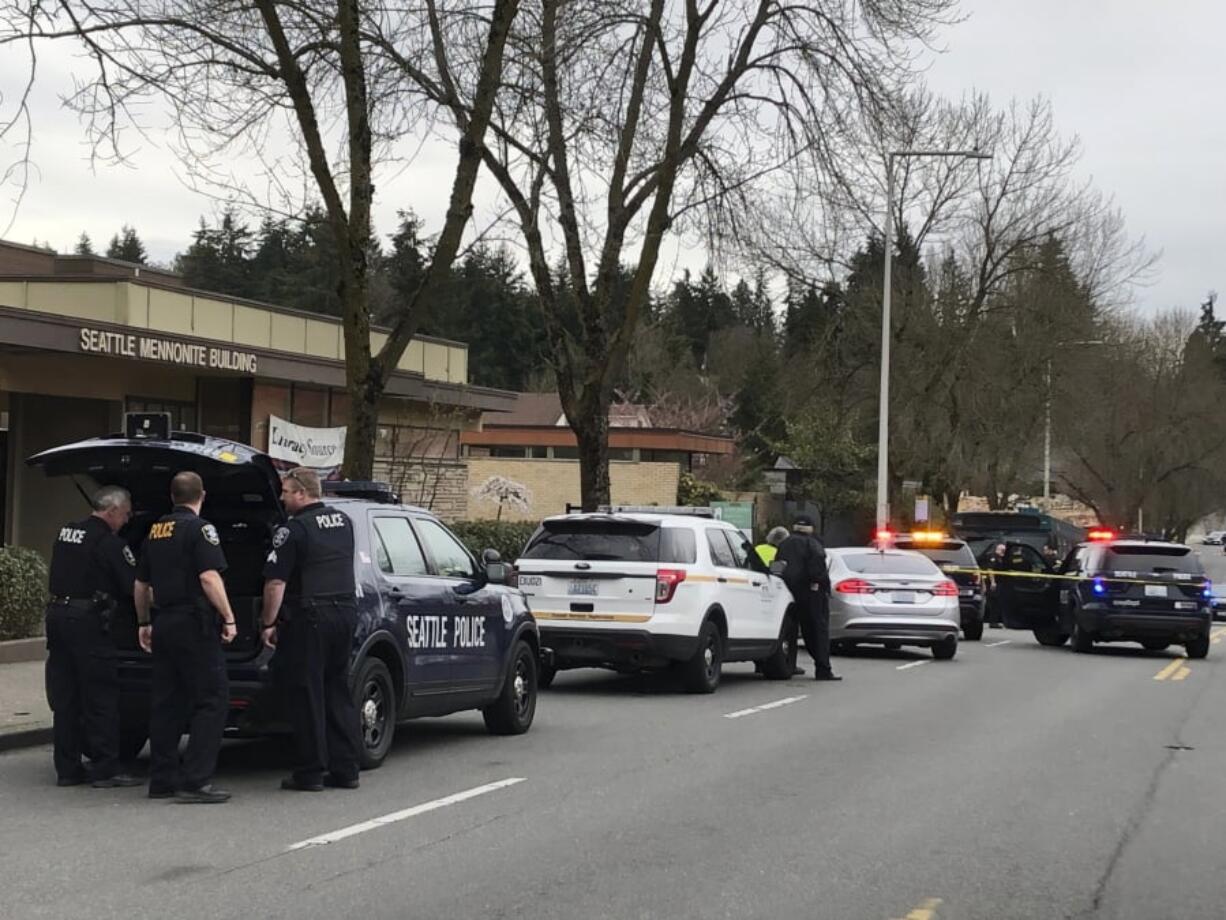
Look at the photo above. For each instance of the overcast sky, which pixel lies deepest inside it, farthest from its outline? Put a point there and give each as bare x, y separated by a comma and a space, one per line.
1140, 82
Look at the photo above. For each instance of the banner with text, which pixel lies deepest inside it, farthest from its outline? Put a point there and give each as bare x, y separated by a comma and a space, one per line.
319, 449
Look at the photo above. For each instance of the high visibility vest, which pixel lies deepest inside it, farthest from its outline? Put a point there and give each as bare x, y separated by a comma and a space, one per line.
766, 552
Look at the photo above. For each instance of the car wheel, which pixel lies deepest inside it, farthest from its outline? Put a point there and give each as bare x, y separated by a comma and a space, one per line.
1083, 642
781, 664
1155, 645
375, 696
945, 649
1053, 637
1198, 647
702, 672
513, 711
973, 632
545, 673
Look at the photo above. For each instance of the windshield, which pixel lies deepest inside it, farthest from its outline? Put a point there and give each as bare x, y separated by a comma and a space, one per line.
626, 541
869, 563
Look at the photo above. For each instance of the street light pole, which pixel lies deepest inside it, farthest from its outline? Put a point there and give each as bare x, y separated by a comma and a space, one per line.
883, 410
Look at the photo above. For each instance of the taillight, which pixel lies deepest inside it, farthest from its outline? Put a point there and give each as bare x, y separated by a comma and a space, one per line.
666, 584
946, 589
853, 586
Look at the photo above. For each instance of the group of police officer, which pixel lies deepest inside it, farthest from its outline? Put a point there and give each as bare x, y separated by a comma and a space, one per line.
184, 618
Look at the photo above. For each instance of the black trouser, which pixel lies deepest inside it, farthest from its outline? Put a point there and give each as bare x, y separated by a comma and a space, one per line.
83, 686
813, 613
312, 667
190, 690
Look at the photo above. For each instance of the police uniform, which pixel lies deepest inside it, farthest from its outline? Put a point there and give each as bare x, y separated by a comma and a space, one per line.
806, 566
313, 555
91, 570
190, 686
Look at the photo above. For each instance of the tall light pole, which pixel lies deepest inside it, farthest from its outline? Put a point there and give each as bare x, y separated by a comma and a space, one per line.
883, 412
1047, 419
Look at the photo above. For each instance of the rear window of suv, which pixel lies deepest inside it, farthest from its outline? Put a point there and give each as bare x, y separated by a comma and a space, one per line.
957, 553
869, 563
1156, 559
624, 541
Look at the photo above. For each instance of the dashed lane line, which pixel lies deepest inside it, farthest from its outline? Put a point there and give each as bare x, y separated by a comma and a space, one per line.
995, 644
913, 664
374, 823
775, 704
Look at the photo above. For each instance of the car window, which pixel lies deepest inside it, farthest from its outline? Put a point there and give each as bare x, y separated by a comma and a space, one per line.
1156, 559
870, 563
736, 542
396, 549
449, 555
721, 553
595, 540
677, 545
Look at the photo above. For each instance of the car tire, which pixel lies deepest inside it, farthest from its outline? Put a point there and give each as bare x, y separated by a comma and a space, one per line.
701, 673
973, 632
1198, 647
945, 649
1155, 645
374, 694
513, 711
1052, 637
781, 664
1083, 642
545, 673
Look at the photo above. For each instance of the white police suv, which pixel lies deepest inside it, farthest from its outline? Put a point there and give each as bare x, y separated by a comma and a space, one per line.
635, 591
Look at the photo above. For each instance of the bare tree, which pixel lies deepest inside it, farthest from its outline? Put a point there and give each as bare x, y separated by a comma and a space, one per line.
323, 80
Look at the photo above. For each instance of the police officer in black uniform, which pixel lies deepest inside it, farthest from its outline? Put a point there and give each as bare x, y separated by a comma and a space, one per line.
310, 616
808, 579
92, 570
179, 578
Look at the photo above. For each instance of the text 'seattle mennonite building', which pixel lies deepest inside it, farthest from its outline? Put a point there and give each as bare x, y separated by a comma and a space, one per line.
84, 339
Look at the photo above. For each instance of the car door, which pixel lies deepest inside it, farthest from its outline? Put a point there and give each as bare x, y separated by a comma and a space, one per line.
761, 620
1030, 599
479, 639
736, 595
422, 600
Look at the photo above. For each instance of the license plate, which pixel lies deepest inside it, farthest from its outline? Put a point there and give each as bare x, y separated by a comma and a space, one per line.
529, 581
1184, 605
902, 597
1155, 590
583, 586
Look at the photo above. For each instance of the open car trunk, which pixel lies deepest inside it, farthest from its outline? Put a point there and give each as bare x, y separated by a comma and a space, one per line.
241, 500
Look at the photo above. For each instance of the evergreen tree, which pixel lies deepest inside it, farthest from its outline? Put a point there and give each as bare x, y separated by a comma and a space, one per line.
219, 258
85, 246
127, 247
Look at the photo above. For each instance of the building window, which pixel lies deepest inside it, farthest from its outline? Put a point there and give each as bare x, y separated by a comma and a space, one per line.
309, 406
566, 453
225, 407
621, 453
517, 452
182, 414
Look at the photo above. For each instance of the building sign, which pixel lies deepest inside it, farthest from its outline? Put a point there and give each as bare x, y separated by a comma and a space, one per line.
168, 351
738, 514
320, 449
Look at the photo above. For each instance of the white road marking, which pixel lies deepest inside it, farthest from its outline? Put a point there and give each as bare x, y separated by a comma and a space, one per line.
913, 664
395, 816
994, 644
775, 704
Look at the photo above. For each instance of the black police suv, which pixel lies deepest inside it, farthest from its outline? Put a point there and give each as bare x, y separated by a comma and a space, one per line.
955, 559
1119, 590
437, 633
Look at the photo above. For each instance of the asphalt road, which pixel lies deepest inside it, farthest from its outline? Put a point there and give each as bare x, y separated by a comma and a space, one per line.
1014, 782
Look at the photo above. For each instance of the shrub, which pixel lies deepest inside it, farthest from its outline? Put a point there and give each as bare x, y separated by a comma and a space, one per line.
508, 537
23, 592
695, 492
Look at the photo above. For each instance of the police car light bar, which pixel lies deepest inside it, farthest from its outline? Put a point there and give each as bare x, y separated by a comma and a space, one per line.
369, 489
1100, 535
928, 536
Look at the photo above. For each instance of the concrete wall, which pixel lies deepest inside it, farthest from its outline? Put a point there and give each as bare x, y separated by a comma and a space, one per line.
554, 483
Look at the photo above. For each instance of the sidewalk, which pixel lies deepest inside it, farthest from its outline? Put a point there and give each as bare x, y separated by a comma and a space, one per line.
25, 718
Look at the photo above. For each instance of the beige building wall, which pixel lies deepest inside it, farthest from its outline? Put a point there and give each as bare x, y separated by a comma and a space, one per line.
555, 483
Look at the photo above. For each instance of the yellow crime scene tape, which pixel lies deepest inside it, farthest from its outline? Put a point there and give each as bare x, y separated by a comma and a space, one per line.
1055, 576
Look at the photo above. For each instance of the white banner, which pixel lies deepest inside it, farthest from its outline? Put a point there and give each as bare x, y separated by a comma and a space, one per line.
321, 449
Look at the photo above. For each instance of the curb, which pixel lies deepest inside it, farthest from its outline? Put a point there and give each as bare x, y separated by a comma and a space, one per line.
25, 738
18, 650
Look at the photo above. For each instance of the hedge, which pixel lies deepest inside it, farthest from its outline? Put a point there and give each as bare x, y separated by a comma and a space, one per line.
508, 537
23, 592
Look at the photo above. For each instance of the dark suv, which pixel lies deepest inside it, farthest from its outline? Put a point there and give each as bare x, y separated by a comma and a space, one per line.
437, 633
1151, 592
955, 559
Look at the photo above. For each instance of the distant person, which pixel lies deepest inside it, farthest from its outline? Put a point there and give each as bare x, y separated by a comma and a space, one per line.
997, 561
808, 579
91, 570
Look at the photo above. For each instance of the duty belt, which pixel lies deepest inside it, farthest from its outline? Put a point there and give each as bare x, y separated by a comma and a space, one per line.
83, 603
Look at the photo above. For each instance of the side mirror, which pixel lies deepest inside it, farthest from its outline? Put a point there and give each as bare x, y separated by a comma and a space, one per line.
778, 567
496, 573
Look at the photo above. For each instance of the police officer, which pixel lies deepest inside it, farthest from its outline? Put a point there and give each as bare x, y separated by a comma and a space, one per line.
179, 577
997, 561
92, 569
309, 616
808, 579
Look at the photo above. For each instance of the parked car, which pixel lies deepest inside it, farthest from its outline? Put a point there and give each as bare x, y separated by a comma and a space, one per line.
631, 591
892, 597
1214, 538
438, 632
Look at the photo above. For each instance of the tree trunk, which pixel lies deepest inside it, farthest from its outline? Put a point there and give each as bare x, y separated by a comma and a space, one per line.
363, 381
592, 433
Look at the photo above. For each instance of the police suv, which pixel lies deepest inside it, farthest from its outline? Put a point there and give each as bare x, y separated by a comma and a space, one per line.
633, 591
1111, 589
438, 632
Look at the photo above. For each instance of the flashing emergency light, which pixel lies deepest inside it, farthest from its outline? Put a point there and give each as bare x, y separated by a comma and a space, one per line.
1099, 586
928, 536
1207, 589
883, 537
1101, 535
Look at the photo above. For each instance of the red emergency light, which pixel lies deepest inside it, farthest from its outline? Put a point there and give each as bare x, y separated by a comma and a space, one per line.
884, 537
1101, 535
